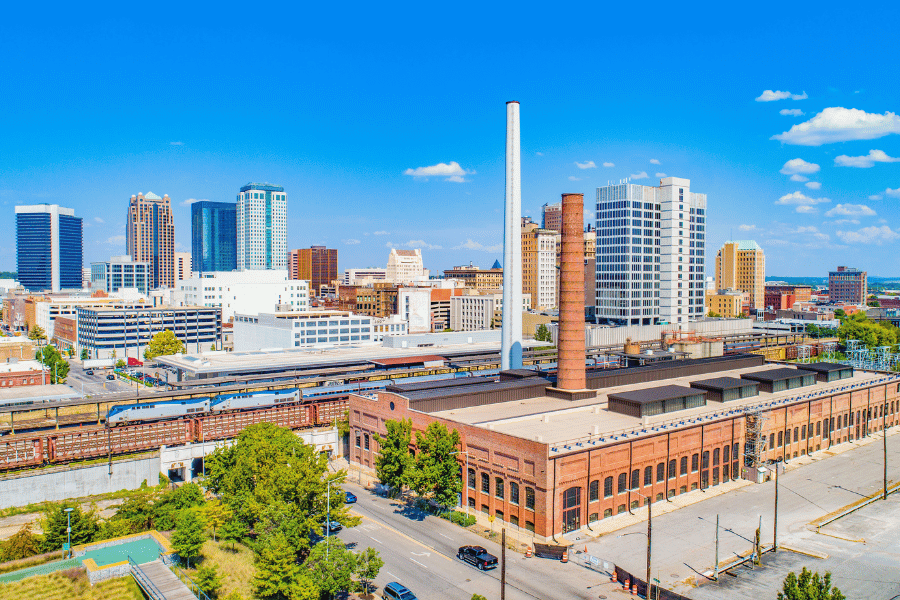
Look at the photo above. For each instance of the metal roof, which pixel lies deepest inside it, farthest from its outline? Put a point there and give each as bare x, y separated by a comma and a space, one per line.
655, 394
479, 388
407, 360
722, 383
776, 374
825, 367
405, 388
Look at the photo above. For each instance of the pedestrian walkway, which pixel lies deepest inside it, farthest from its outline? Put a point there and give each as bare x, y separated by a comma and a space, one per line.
160, 583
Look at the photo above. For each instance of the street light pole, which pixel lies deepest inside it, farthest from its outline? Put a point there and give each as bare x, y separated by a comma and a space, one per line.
69, 529
775, 519
465, 479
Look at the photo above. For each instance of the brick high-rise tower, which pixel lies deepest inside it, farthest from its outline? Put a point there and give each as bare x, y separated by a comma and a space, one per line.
150, 237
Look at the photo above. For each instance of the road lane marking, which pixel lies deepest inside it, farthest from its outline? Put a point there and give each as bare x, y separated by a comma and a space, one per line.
400, 533
392, 575
446, 536
379, 541
418, 563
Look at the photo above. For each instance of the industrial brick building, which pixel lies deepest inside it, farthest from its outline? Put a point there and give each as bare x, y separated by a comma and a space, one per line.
847, 285
552, 465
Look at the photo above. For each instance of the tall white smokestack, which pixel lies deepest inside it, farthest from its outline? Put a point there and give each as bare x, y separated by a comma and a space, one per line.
511, 344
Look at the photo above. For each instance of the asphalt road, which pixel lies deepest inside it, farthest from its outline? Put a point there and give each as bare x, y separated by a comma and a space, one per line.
420, 552
684, 540
94, 385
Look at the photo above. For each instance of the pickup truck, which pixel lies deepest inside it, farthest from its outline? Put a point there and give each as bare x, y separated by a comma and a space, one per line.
477, 556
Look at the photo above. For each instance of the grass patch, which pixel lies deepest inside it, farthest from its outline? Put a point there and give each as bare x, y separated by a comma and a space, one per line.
71, 585
237, 566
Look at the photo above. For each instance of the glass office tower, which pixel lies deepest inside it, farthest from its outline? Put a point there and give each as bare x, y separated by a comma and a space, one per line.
48, 247
213, 236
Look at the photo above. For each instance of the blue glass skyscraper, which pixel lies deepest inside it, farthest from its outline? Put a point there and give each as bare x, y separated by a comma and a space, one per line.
213, 236
48, 247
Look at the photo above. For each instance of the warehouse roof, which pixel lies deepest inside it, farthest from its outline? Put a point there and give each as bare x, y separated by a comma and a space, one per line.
776, 374
655, 394
825, 367
721, 383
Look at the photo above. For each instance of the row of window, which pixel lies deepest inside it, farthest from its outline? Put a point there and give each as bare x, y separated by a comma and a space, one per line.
500, 489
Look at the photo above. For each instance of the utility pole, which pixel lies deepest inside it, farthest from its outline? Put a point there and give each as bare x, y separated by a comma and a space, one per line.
775, 525
717, 548
503, 564
884, 434
649, 542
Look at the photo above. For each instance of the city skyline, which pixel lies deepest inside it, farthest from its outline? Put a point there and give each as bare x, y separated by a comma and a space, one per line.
801, 159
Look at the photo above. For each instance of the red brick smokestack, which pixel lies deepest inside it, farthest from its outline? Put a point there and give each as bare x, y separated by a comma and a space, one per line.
571, 296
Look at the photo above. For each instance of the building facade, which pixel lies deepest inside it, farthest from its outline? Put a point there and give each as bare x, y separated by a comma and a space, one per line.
650, 253
183, 266
741, 265
318, 265
539, 272
726, 303
126, 332
120, 272
782, 296
405, 266
482, 280
261, 227
475, 313
847, 285
301, 330
364, 276
246, 292
48, 247
551, 217
150, 236
213, 236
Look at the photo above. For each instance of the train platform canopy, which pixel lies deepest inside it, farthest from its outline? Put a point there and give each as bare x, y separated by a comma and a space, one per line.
429, 360
37, 393
567, 425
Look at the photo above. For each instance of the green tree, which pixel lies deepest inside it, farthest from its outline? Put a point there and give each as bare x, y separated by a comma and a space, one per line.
542, 334
870, 333
188, 538
809, 586
172, 503
84, 354
163, 343
272, 481
138, 511
209, 580
84, 527
368, 564
113, 528
276, 568
22, 544
713, 314
216, 514
233, 531
395, 465
37, 333
57, 367
332, 567
437, 472
121, 364
478, 597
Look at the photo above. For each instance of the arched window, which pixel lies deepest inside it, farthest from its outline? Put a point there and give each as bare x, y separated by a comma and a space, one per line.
771, 441
726, 452
485, 483
607, 487
648, 476
594, 491
705, 460
684, 460
660, 472
635, 479
498, 487
715, 457
780, 439
607, 513
366, 441
672, 467
513, 492
695, 463
623, 482
571, 509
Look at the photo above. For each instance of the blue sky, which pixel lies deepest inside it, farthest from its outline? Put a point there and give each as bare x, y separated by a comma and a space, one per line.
343, 106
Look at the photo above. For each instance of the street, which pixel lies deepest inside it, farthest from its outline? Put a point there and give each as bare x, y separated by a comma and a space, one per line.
97, 384
419, 551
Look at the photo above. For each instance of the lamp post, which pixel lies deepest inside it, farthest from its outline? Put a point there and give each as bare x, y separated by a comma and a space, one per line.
649, 535
68, 512
328, 518
775, 518
465, 479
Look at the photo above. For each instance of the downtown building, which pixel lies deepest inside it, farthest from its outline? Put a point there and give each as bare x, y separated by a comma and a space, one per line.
741, 265
120, 272
213, 236
650, 253
150, 237
246, 292
48, 247
539, 271
261, 223
317, 264
844, 285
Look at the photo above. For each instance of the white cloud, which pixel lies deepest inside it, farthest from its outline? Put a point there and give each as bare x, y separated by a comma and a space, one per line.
586, 165
805, 210
769, 96
869, 235
791, 112
573, 178
452, 171
471, 244
838, 124
176, 143
379, 233
539, 153
799, 178
116, 239
641, 175
864, 162
421, 244
846, 221
747, 227
799, 199
892, 193
190, 201
99, 220
798, 165
389, 245
850, 210
609, 164
814, 185
875, 197
660, 175
654, 161
351, 242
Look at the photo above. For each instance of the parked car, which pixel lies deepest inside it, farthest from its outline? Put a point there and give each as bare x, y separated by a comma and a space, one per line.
349, 498
477, 556
111, 377
397, 591
89, 372
334, 527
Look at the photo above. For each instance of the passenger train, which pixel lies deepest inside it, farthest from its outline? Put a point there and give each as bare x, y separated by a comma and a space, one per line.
173, 409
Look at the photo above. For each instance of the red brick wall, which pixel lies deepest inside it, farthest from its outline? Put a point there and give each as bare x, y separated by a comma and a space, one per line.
21, 378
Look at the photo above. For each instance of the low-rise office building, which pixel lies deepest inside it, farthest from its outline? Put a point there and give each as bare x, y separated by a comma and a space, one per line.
120, 272
301, 330
246, 292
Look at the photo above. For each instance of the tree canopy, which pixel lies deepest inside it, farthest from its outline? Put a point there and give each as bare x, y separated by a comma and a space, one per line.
437, 470
809, 586
870, 333
57, 366
37, 333
163, 343
395, 463
84, 527
542, 334
188, 538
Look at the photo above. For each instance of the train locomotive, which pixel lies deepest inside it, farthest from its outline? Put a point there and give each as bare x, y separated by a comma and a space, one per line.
174, 409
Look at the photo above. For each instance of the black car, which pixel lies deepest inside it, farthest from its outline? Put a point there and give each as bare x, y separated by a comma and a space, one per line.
110, 376
89, 372
349, 498
477, 556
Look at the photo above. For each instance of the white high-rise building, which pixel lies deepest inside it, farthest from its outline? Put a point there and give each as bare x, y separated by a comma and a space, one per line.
246, 292
650, 253
405, 267
262, 227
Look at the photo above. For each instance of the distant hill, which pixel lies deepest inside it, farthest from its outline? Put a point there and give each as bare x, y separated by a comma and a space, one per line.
874, 282
8, 275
